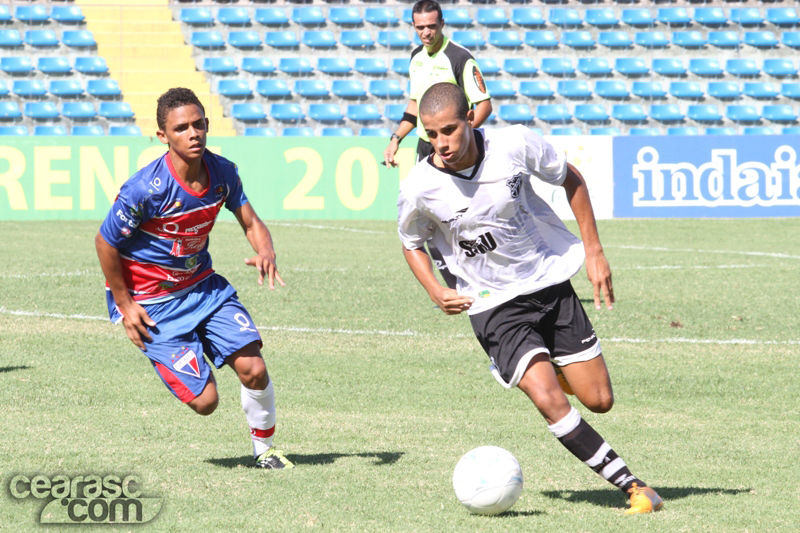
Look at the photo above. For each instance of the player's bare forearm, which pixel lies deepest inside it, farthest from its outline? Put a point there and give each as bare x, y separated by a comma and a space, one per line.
482, 111
447, 299
261, 240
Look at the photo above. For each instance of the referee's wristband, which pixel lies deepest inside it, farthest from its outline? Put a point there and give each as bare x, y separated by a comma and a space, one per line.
396, 136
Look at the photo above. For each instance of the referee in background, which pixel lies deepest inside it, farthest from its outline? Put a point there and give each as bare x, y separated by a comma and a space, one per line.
437, 60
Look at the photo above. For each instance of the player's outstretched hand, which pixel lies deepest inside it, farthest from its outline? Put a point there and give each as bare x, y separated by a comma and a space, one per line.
266, 267
135, 319
451, 302
599, 273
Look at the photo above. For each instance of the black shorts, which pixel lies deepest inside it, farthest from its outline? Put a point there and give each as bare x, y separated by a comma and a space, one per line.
424, 149
549, 321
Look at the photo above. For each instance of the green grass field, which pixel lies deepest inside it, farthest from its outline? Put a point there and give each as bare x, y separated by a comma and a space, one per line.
379, 394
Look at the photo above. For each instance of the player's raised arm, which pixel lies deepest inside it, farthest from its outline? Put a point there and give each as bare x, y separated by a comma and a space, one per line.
447, 299
597, 267
261, 241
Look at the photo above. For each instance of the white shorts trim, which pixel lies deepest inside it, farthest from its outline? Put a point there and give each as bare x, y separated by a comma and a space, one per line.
586, 355
522, 366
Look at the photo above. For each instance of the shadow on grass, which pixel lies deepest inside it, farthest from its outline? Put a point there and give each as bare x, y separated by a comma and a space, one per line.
379, 458
13, 368
521, 513
612, 498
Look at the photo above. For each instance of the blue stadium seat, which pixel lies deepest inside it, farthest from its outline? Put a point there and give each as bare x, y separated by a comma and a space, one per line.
375, 132
724, 39
791, 130
233, 16
41, 38
356, 39
520, 66
594, 67
234, 88
406, 17
578, 40
219, 65
381, 16
78, 110
602, 18
506, 39
29, 88
9, 111
325, 112
705, 67
760, 90
394, 112
244, 40
611, 89
65, 88
541, 39
666, 113
128, 129
4, 90
670, 67
758, 130
35, 14
558, 66
54, 66
337, 132
591, 113
488, 66
674, 16
10, 38
791, 90
352, 89
515, 113
271, 16
686, 90
710, 17
295, 65
638, 17
363, 113
373, 66
538, 90
50, 129
41, 110
644, 131
791, 39
105, 88
115, 110
704, 113
16, 65
196, 16
471, 39
282, 39
78, 39
616, 40
394, 39
275, 89
783, 17
334, 65
258, 65
652, 40
311, 89
345, 16
629, 113
260, 132
319, 39
91, 65
207, 40
631, 66
298, 132
649, 90
609, 130
94, 130
501, 89
286, 112
457, 17
400, 65
691, 40
779, 114
565, 17
743, 114
742, 68
5, 14
387, 89
763, 40
492, 17
721, 130
683, 130
528, 17
568, 130
779, 68
553, 113
746, 16
724, 90
308, 16
572, 89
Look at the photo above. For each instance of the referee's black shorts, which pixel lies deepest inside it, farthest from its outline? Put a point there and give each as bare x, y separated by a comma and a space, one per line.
550, 321
424, 149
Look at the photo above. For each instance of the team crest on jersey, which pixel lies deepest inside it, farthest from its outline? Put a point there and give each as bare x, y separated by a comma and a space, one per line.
513, 184
186, 363
191, 262
219, 190
137, 211
476, 75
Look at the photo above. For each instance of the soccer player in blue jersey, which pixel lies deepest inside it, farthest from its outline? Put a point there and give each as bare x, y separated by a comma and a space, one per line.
153, 249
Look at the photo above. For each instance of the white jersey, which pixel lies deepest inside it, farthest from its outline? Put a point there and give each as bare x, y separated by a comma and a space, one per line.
497, 236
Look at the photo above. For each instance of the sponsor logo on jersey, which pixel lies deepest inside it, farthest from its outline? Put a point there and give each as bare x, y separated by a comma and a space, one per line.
166, 285
126, 219
513, 183
137, 211
484, 294
187, 364
219, 190
589, 339
458, 215
476, 75
188, 246
125, 231
483, 244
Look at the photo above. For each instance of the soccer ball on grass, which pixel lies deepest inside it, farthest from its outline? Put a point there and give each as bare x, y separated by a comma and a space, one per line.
487, 480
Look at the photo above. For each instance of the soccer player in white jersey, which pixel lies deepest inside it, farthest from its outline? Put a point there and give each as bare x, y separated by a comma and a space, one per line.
513, 258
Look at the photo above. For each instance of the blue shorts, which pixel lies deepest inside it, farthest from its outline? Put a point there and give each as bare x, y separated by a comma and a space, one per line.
208, 319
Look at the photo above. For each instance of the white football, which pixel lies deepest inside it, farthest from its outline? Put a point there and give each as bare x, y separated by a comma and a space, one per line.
487, 480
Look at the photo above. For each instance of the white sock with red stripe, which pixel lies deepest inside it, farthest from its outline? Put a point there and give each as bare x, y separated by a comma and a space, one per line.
259, 408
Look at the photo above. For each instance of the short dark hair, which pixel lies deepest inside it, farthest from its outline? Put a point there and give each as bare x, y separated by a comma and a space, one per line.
426, 6
173, 99
441, 96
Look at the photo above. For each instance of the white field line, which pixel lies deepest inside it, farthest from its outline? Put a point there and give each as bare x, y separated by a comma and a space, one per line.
409, 333
334, 228
74, 273
687, 267
690, 250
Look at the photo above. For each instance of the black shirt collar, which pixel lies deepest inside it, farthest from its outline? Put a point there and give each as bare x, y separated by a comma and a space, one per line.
478, 162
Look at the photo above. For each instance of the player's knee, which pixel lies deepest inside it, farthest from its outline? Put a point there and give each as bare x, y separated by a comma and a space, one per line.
205, 405
602, 403
256, 376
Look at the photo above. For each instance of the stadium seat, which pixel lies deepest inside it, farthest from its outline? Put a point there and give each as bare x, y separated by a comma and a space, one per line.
742, 68
41, 110
528, 17
363, 113
578, 40
9, 111
394, 112
564, 17
594, 67
308, 16
602, 18
666, 113
373, 66
746, 16
515, 113
274, 89
325, 112
393, 39
779, 114
334, 65
4, 90
721, 130
488, 66
691, 40
670, 67
295, 65
652, 40
50, 129
791, 39
298, 132
207, 40
337, 132
686, 90
743, 114
244, 40
704, 113
319, 39
629, 113
501, 89
569, 130
78, 39
286, 112
54, 66
78, 110
41, 38
644, 131
763, 40
388, 89
234, 88
375, 132
311, 89
520, 66
541, 39
506, 39
94, 130
758, 130
65, 88
638, 17
558, 66
350, 89
674, 16
492, 17
258, 65
591, 113
710, 17
282, 39
791, 90
471, 39
683, 130
233, 16
128, 129
105, 88
400, 65
609, 130
649, 90
783, 17
5, 15
10, 38
631, 66
705, 67
724, 39
16, 65
381, 16
538, 90
219, 65
724, 90
779, 68
760, 90
29, 88
260, 132
572, 89
616, 40
356, 39
791, 130
196, 16
115, 110
271, 16
345, 16
457, 17
611, 89
406, 17
33, 14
